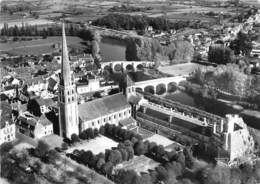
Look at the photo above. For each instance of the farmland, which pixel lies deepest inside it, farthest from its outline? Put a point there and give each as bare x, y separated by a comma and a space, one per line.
84, 10
38, 46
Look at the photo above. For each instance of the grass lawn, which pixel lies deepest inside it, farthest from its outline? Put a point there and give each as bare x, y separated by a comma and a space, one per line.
97, 145
160, 140
40, 46
179, 69
138, 164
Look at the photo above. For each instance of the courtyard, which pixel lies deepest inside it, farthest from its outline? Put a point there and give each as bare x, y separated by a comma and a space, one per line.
97, 145
139, 164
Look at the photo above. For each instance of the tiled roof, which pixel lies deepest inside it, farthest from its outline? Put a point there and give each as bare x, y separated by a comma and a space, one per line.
47, 102
127, 121
102, 106
44, 120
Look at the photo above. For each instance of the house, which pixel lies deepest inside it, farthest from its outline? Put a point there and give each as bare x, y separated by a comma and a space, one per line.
111, 109
90, 86
7, 131
39, 106
34, 127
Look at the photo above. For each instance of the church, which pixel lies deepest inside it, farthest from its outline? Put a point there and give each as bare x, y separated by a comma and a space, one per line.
74, 118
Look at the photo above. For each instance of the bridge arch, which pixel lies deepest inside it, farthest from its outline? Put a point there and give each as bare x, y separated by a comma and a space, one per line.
149, 89
129, 67
107, 68
172, 86
140, 67
138, 89
118, 68
160, 89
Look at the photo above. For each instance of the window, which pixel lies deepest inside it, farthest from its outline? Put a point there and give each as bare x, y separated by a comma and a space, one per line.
109, 118
129, 111
98, 122
119, 114
104, 120
72, 99
68, 93
115, 116
124, 113
93, 124
68, 99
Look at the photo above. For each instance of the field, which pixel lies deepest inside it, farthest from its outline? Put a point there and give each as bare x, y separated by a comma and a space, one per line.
97, 145
160, 140
36, 47
85, 10
139, 164
179, 69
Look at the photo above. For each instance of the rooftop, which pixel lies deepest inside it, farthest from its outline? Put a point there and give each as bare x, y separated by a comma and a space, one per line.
102, 106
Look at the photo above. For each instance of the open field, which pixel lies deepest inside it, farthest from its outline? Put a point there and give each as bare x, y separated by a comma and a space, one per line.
40, 46
160, 140
179, 69
138, 164
97, 145
85, 10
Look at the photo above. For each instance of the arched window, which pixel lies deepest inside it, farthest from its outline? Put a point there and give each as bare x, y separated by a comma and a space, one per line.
68, 99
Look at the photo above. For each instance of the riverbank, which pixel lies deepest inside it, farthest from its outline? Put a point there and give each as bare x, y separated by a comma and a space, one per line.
195, 95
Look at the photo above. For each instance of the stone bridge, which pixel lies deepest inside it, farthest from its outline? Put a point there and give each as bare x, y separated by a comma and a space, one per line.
156, 86
126, 65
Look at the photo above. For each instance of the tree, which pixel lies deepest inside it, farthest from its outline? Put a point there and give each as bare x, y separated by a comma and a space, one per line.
75, 138
52, 156
220, 54
124, 154
102, 130
64, 146
86, 156
130, 151
90, 133
5, 147
127, 177
83, 135
115, 157
139, 148
100, 163
107, 168
41, 149
189, 160
96, 132
162, 174
242, 44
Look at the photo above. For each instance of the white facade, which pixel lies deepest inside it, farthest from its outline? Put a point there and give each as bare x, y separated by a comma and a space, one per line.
93, 85
7, 133
41, 131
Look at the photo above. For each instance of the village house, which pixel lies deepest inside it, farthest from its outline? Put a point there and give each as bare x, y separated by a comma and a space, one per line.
7, 131
34, 127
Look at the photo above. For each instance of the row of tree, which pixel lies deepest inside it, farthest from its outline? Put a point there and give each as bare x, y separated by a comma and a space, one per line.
141, 22
172, 163
49, 30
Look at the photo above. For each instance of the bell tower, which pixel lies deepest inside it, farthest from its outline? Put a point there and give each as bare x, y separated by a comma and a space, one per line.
68, 104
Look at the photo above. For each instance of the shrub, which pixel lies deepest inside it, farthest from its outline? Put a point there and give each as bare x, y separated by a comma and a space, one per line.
75, 138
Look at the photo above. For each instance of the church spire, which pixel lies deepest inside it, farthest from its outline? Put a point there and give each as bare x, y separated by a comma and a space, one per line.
65, 64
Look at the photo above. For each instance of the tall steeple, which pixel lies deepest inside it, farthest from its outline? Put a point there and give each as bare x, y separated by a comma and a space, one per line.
65, 64
68, 101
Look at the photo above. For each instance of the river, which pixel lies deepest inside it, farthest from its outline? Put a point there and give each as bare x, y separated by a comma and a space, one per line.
209, 105
112, 50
